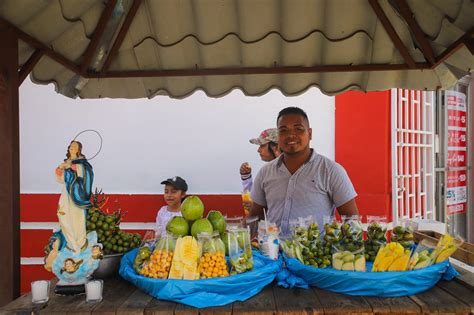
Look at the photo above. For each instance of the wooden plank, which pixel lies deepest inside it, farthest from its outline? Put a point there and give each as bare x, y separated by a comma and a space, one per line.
182, 309
22, 305
337, 303
160, 307
135, 304
437, 300
397, 305
296, 301
459, 291
261, 304
217, 310
115, 297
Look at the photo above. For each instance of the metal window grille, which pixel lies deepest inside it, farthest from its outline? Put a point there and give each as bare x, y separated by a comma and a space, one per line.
412, 116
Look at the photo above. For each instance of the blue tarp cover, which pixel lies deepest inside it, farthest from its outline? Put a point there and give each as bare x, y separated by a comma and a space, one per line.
205, 292
365, 283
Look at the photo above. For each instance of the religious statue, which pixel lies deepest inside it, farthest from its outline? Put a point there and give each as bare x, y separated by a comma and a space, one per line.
72, 253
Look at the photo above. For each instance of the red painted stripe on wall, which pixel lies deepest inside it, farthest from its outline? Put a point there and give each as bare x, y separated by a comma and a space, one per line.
138, 208
33, 242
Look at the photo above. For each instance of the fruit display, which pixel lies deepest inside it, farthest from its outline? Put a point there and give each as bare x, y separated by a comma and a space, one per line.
212, 263
158, 263
376, 238
392, 257
403, 235
240, 250
185, 259
107, 227
348, 261
446, 246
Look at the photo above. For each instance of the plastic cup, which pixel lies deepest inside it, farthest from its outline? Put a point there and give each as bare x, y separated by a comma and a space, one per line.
94, 291
40, 291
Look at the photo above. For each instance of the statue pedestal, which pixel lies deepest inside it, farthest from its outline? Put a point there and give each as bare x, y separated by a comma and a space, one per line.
70, 289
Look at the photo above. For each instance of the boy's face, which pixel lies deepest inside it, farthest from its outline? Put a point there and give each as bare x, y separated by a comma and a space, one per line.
173, 196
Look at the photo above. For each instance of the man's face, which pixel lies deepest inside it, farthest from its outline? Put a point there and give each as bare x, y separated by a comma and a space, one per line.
294, 134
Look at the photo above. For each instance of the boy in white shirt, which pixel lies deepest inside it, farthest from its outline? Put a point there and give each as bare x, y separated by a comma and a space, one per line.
174, 194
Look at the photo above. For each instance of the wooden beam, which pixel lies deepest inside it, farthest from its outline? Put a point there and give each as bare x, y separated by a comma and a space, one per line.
448, 52
392, 33
97, 36
9, 169
121, 35
416, 31
253, 70
29, 65
39, 45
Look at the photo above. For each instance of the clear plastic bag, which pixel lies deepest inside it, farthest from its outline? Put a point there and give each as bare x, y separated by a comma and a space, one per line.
159, 264
421, 257
349, 260
352, 235
446, 246
331, 234
268, 239
376, 236
212, 263
240, 250
299, 229
403, 234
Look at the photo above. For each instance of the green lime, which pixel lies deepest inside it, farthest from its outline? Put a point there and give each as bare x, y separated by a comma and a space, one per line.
92, 226
105, 226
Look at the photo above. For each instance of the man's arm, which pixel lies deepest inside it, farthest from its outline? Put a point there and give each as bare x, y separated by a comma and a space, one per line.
257, 210
349, 208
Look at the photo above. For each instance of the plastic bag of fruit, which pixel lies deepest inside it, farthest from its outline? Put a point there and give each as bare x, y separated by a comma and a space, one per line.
240, 250
158, 266
352, 235
403, 234
268, 239
446, 246
349, 260
331, 234
212, 263
376, 236
421, 256
392, 257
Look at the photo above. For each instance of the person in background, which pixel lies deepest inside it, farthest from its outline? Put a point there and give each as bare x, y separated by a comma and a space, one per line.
174, 194
300, 182
268, 149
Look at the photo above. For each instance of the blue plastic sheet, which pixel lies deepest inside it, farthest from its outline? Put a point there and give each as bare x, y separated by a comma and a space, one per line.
206, 292
366, 283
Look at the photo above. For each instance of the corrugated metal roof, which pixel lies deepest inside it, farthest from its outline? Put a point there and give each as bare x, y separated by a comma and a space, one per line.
260, 37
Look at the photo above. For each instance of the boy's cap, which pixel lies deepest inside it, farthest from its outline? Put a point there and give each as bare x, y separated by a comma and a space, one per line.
177, 182
268, 135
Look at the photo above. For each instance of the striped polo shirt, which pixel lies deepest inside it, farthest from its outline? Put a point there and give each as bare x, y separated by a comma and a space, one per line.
316, 188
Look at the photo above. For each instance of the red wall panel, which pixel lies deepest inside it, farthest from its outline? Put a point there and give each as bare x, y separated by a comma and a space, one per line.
363, 147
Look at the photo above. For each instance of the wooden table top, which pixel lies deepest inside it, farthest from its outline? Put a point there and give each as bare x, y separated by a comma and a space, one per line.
122, 297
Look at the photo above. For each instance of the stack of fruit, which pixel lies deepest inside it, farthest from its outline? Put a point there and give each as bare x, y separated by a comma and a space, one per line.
391, 257
376, 238
403, 235
107, 227
332, 236
348, 261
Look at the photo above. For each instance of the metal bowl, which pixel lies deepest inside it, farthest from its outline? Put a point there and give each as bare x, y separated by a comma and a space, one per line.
108, 266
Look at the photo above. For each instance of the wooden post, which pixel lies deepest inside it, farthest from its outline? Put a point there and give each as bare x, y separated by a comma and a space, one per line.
9, 169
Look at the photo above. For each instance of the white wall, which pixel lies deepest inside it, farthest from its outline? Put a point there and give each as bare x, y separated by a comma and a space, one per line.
202, 139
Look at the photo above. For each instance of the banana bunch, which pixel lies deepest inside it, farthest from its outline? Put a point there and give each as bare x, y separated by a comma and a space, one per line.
392, 257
